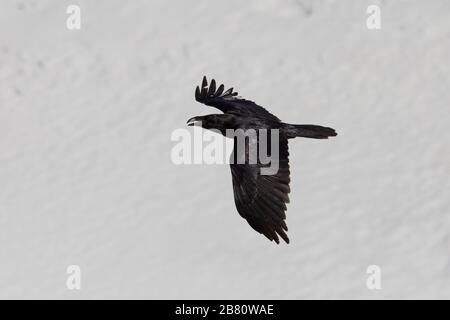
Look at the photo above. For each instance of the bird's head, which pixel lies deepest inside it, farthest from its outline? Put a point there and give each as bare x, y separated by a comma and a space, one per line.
213, 121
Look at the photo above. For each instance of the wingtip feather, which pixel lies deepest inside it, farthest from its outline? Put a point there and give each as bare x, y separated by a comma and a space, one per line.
197, 93
212, 88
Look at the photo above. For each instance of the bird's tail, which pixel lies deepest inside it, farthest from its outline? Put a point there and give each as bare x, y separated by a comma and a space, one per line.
309, 131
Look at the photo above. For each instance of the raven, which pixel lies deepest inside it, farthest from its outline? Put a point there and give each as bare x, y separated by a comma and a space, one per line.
260, 199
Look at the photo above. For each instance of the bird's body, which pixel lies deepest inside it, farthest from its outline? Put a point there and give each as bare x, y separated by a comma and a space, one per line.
260, 198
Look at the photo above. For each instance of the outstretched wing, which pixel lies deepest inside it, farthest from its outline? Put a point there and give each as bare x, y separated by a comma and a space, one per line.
261, 199
229, 101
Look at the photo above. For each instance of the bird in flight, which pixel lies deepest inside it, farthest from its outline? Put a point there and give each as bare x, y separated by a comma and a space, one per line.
260, 199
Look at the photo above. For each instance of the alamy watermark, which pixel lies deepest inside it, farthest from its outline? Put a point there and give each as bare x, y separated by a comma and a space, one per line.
73, 281
73, 21
251, 146
373, 21
373, 281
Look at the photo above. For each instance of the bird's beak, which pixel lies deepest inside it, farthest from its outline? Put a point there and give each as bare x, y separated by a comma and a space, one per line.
194, 121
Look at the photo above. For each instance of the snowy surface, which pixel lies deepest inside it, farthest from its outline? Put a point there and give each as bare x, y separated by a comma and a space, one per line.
85, 170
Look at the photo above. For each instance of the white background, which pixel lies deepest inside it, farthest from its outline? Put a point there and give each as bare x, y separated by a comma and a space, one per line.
85, 170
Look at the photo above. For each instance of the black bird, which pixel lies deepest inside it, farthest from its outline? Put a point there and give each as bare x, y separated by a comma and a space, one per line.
260, 199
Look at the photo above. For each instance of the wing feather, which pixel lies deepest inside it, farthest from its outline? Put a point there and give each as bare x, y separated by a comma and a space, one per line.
261, 199
229, 101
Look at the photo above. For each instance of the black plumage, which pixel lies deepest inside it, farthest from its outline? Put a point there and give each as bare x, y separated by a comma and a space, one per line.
260, 199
